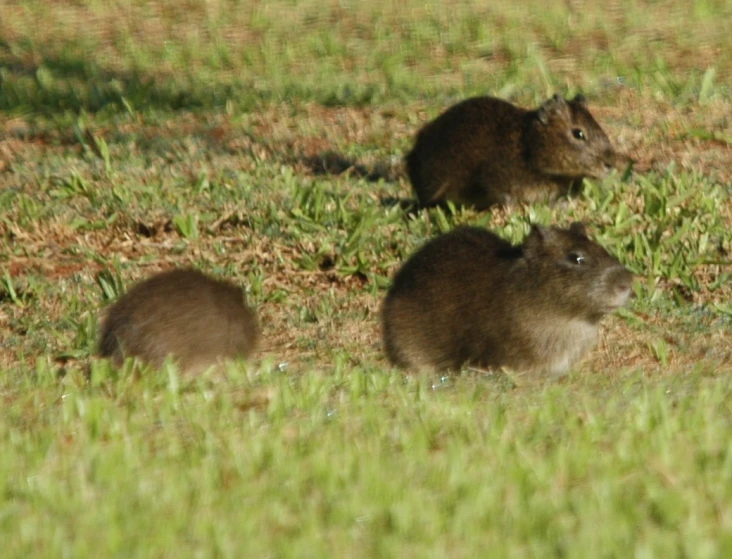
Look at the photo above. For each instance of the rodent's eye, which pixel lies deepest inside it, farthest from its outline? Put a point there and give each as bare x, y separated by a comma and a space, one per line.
578, 133
576, 258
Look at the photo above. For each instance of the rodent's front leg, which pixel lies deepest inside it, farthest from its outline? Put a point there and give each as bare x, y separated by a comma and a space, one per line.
489, 186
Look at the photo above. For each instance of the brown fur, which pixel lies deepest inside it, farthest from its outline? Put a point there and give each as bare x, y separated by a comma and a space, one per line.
485, 151
469, 297
183, 313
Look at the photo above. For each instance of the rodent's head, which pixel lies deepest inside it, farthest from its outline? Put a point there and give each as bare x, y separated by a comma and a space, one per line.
563, 139
575, 272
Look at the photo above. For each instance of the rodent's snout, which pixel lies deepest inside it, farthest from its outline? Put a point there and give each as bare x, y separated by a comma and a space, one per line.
617, 288
604, 165
615, 160
621, 283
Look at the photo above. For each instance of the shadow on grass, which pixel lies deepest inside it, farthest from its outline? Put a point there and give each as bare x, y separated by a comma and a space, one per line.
52, 83
47, 83
330, 162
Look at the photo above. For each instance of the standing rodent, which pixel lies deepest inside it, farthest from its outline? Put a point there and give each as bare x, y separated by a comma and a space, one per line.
183, 313
469, 297
485, 151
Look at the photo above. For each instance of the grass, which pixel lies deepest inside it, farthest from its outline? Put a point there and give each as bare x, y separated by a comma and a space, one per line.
262, 142
362, 462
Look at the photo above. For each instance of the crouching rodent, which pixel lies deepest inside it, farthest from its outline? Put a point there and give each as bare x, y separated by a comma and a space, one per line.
485, 151
470, 298
183, 313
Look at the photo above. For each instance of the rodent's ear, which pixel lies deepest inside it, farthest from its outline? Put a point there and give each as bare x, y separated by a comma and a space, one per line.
578, 228
536, 238
538, 231
580, 100
551, 107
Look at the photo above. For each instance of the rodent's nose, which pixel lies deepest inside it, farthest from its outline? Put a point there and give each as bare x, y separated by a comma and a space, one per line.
615, 160
627, 289
623, 276
624, 285
620, 285
607, 164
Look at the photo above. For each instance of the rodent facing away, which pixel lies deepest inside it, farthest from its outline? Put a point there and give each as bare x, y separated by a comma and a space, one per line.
485, 151
470, 298
184, 313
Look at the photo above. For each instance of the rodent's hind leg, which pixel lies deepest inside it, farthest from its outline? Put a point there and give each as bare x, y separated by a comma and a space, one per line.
486, 189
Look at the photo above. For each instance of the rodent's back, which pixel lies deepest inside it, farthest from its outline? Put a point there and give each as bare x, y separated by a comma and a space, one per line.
455, 257
183, 313
475, 121
469, 297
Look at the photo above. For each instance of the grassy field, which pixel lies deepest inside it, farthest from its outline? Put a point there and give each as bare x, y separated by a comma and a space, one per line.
262, 141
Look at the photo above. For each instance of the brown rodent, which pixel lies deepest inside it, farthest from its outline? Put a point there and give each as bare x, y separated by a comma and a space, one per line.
469, 297
196, 319
485, 151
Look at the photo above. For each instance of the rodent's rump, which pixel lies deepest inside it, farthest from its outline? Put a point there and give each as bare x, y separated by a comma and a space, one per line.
485, 151
182, 313
470, 297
